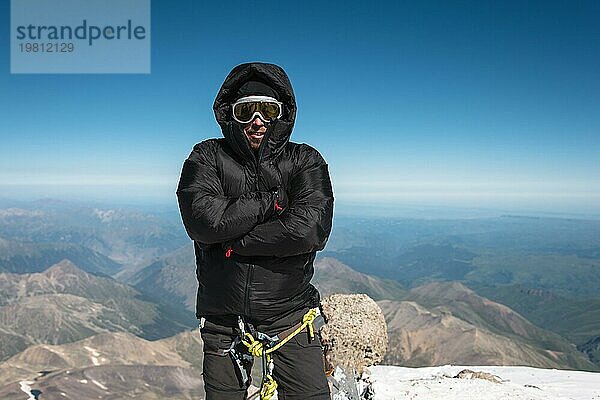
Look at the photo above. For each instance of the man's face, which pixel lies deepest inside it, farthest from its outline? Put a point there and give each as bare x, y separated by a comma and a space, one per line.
255, 131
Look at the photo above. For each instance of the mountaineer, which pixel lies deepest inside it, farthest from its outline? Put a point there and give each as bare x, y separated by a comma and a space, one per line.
258, 207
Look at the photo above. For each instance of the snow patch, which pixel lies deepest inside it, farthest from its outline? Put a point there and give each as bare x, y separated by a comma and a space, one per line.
518, 383
101, 386
105, 216
92, 350
24, 385
94, 355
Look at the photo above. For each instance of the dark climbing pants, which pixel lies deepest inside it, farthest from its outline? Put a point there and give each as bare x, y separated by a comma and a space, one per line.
299, 364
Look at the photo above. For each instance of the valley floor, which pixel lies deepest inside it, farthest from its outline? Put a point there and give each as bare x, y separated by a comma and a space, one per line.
517, 383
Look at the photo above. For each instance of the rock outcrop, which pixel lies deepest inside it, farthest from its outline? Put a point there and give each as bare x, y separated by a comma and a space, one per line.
355, 335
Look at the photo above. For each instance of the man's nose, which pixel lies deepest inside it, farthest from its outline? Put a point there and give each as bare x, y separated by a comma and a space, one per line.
258, 121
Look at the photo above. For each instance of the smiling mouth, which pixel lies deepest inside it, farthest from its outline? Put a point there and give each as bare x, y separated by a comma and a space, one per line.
256, 135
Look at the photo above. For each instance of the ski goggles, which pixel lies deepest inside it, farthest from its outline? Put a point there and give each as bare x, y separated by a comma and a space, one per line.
267, 108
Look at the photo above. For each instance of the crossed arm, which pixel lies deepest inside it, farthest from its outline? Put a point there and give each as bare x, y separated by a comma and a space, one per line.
209, 216
305, 226
245, 222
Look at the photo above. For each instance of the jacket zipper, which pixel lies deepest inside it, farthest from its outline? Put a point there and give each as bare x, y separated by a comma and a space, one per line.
247, 290
250, 269
251, 266
257, 175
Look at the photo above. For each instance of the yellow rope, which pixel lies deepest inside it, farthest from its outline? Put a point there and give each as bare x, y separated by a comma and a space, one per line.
256, 348
307, 320
269, 385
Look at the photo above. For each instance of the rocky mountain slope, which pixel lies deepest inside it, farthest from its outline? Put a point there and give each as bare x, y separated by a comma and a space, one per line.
443, 321
422, 337
108, 365
171, 279
333, 276
64, 304
26, 257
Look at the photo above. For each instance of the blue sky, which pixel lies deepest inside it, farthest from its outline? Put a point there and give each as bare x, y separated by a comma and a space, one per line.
464, 103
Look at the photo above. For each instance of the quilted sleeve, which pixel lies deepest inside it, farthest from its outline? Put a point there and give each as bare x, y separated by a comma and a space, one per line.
209, 216
306, 225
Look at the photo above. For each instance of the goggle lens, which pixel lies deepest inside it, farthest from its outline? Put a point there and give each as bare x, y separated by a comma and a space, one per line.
244, 112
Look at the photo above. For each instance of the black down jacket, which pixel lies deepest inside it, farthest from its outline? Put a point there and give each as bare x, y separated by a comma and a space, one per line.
226, 196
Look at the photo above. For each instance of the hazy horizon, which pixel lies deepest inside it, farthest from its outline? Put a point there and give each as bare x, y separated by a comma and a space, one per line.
148, 198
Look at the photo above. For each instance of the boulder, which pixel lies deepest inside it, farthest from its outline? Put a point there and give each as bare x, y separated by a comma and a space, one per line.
355, 335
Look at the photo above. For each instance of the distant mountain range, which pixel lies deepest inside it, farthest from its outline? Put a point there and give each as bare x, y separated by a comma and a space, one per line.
446, 323
64, 304
125, 235
171, 280
332, 276
501, 290
544, 268
577, 319
495, 324
25, 257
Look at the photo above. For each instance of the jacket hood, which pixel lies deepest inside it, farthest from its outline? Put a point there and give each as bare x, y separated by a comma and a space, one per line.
278, 132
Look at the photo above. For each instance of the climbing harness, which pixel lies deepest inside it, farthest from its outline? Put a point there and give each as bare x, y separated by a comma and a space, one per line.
262, 345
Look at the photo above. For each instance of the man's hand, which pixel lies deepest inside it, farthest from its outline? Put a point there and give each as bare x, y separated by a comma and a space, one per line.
281, 201
272, 180
278, 205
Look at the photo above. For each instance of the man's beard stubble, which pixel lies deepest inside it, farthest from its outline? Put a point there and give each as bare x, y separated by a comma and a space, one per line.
254, 143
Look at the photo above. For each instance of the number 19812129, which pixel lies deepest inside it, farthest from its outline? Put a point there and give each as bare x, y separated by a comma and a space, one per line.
47, 47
